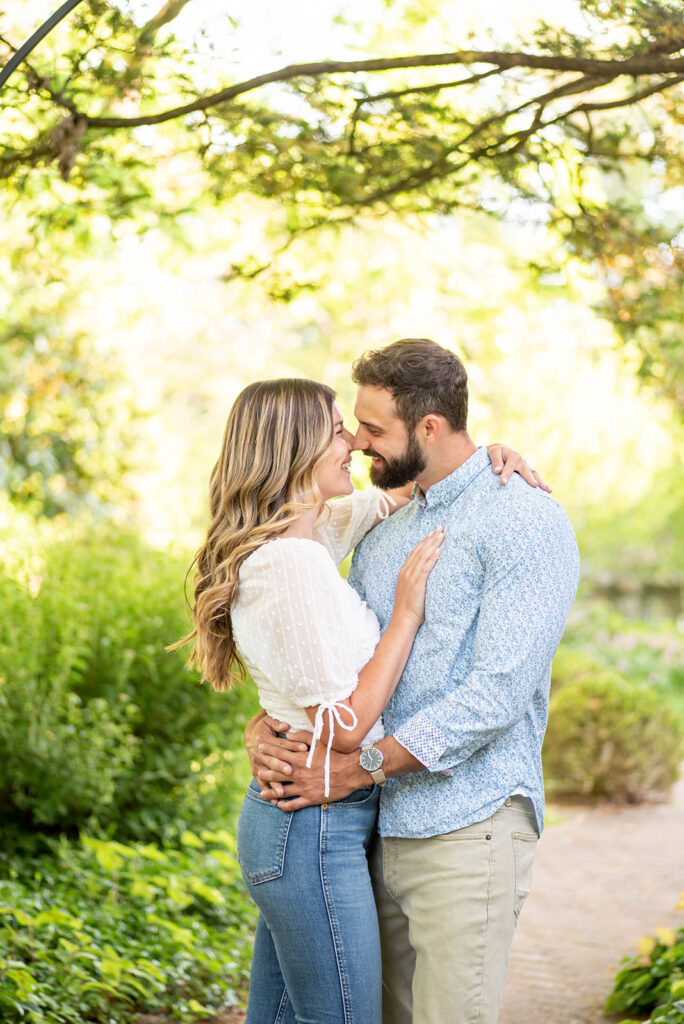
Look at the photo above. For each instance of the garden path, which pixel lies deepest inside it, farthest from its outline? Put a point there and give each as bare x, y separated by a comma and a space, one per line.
604, 877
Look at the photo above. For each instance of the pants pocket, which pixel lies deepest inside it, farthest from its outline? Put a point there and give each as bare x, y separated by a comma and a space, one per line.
524, 847
262, 839
359, 796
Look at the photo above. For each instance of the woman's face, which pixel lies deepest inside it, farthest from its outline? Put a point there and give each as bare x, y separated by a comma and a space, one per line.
333, 476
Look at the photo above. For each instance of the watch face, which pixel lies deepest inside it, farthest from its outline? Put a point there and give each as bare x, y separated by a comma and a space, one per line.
371, 759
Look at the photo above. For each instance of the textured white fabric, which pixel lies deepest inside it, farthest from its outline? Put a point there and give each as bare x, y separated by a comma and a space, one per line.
344, 521
302, 631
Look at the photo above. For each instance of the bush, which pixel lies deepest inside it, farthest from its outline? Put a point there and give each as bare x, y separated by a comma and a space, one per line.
98, 723
571, 665
97, 930
653, 981
609, 737
649, 652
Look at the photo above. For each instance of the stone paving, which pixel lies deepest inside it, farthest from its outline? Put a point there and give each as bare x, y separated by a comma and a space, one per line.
603, 878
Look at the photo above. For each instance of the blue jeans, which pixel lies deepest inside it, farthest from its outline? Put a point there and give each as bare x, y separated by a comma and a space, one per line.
317, 947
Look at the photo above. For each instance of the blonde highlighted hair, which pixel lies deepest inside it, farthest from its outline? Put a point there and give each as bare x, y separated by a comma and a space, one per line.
265, 478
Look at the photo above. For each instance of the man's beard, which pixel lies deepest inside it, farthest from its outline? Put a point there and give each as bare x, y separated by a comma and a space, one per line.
401, 470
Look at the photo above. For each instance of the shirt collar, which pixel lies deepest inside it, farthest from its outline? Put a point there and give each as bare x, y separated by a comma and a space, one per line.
448, 489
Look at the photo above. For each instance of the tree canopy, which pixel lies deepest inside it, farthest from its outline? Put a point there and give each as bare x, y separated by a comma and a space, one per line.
115, 119
580, 128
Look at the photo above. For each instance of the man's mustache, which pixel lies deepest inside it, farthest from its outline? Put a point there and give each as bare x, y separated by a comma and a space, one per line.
370, 454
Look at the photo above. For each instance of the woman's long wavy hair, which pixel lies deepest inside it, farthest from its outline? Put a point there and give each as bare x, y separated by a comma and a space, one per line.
276, 435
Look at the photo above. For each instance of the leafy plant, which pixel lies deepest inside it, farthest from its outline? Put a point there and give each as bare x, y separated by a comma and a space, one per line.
100, 930
610, 737
653, 980
99, 724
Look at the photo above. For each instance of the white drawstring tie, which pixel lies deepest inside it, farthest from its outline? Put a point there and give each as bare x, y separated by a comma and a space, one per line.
334, 715
384, 505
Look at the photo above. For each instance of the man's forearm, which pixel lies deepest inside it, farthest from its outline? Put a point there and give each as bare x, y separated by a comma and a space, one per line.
397, 759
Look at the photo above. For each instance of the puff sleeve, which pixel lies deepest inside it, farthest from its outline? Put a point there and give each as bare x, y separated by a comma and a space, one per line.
344, 521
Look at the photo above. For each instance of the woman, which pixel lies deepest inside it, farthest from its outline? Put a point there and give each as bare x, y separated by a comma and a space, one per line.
269, 598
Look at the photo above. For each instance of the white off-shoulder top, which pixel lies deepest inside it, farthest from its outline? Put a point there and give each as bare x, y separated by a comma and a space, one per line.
302, 631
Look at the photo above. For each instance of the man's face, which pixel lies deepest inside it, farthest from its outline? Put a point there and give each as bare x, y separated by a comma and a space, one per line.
397, 457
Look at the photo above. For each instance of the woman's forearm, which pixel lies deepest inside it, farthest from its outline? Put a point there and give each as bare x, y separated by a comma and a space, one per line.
399, 498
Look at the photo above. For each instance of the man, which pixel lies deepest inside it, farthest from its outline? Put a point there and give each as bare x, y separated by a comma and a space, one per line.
463, 804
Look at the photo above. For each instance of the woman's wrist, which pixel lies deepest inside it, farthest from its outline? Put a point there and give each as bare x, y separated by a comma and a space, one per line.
404, 623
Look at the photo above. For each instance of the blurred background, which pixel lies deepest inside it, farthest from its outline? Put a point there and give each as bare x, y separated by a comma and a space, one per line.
529, 218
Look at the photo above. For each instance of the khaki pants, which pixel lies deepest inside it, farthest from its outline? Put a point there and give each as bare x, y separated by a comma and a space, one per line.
448, 907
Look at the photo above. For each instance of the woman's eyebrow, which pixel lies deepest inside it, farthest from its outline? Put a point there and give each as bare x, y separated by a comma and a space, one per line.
338, 423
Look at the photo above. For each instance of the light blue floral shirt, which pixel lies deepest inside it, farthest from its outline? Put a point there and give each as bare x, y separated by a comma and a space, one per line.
472, 702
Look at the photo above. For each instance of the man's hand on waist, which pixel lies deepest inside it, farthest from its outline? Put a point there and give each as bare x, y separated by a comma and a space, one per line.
279, 766
286, 781
263, 730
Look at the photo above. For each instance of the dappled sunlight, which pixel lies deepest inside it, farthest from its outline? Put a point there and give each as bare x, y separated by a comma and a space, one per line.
546, 374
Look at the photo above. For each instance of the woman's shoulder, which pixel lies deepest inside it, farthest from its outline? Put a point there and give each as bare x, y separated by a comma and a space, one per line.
286, 553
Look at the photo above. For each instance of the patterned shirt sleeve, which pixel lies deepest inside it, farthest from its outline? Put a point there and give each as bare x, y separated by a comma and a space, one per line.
531, 574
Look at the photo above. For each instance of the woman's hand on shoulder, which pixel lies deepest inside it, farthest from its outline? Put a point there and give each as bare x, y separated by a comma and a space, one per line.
506, 461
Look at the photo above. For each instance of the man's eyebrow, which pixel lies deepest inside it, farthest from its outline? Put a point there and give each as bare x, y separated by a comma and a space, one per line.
365, 423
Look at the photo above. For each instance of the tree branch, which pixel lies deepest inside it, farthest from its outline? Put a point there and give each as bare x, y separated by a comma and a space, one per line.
435, 87
443, 169
166, 14
37, 82
398, 93
626, 101
610, 69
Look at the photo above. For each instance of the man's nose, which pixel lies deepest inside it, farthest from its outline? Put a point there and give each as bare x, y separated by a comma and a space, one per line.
358, 442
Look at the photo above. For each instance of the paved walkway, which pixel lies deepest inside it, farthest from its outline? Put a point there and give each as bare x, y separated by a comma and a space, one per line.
603, 878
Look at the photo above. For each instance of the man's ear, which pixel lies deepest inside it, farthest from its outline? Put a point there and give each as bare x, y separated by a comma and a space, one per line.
430, 428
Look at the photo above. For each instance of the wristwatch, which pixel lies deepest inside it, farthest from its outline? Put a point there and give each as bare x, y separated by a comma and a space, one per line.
371, 759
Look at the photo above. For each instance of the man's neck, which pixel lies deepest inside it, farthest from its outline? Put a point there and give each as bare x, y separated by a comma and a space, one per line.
453, 452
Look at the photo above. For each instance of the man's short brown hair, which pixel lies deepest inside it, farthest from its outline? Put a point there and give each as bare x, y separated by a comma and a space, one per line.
421, 376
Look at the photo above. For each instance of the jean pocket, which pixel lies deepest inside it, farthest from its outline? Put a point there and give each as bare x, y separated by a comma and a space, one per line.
262, 839
524, 848
359, 796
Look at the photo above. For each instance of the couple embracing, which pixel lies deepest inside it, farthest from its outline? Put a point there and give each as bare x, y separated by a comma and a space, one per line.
389, 834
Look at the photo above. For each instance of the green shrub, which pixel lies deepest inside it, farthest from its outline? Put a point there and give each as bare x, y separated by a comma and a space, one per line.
100, 931
609, 737
649, 652
653, 981
571, 665
98, 723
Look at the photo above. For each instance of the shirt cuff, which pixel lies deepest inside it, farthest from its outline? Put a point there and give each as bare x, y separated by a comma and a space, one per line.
424, 740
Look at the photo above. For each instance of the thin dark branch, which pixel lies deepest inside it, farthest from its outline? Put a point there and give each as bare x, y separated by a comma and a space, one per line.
435, 87
581, 84
170, 10
605, 69
36, 82
236, 272
636, 97
444, 169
